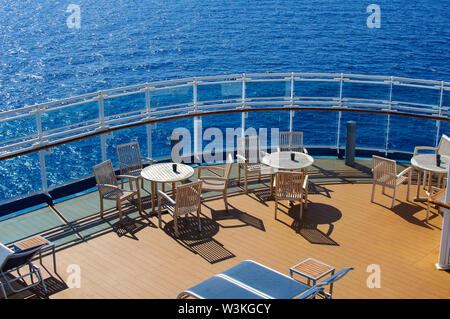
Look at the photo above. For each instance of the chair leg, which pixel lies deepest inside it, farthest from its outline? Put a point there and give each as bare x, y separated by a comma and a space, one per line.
175, 225
199, 220
101, 206
246, 180
120, 210
276, 207
159, 212
373, 192
393, 197
239, 175
225, 199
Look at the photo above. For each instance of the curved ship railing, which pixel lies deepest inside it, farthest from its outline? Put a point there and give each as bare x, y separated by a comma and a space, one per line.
36, 128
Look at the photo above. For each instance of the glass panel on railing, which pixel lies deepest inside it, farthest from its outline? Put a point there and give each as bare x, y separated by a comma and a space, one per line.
124, 104
370, 130
20, 176
218, 133
171, 96
72, 161
366, 91
16, 128
316, 89
124, 136
161, 137
268, 89
68, 116
222, 91
407, 132
416, 95
319, 128
267, 125
445, 125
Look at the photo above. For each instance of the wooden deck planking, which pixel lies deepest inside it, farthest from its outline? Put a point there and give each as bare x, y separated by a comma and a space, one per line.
152, 264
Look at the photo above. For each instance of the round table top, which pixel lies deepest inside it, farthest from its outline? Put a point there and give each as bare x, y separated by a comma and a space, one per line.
282, 160
163, 172
428, 162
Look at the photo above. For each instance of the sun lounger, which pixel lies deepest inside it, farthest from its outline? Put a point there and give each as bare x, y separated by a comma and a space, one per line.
250, 280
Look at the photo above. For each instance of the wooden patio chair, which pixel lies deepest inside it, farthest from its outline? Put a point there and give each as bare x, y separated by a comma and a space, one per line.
218, 183
131, 162
108, 187
187, 200
291, 142
292, 186
443, 148
385, 174
249, 158
13, 261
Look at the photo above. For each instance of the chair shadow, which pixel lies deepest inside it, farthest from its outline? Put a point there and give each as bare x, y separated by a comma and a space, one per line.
37, 292
316, 214
407, 211
199, 242
128, 227
234, 213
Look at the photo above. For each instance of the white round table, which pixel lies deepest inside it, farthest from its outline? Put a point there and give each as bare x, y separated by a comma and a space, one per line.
163, 173
282, 160
427, 163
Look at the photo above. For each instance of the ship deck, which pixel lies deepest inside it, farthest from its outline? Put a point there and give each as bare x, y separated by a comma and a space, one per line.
341, 227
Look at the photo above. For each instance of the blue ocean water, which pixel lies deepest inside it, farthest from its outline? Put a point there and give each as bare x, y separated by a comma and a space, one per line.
122, 43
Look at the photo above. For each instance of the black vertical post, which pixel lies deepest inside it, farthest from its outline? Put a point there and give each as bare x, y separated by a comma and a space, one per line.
350, 144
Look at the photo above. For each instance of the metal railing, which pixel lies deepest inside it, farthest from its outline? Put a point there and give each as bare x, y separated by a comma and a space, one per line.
37, 128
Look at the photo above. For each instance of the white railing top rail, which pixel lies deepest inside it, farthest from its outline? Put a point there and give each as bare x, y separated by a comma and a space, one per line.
55, 122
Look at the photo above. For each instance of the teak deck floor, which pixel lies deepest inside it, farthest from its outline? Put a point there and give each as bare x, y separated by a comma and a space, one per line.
341, 228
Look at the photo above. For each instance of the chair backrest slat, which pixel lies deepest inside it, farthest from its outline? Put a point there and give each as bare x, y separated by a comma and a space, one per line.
291, 141
129, 157
384, 171
249, 148
188, 198
228, 166
444, 146
289, 185
104, 173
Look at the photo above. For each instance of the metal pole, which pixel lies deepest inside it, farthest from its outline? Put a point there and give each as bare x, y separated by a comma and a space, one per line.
149, 126
438, 123
291, 113
339, 115
350, 143
101, 113
42, 163
386, 146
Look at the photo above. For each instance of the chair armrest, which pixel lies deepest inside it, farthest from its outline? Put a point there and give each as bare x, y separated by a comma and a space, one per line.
166, 198
420, 148
150, 160
305, 182
127, 176
405, 171
107, 186
202, 168
241, 159
218, 178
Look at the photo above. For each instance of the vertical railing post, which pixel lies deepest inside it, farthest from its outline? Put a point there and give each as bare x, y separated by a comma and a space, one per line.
101, 114
42, 163
339, 114
148, 127
198, 147
243, 114
291, 113
438, 123
388, 126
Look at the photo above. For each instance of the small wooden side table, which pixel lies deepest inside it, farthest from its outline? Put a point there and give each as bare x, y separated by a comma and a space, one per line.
312, 270
36, 241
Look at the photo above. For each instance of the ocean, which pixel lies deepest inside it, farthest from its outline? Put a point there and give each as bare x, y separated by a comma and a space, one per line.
48, 51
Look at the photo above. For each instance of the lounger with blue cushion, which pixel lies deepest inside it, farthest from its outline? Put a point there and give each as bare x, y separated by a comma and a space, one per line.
251, 280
